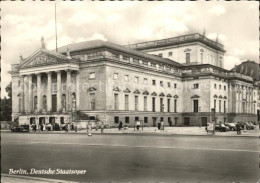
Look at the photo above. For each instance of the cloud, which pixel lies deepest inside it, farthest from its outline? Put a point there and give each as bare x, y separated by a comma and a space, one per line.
230, 61
217, 10
83, 17
114, 18
213, 36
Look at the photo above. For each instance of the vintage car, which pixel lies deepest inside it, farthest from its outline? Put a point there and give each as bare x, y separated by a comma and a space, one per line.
221, 128
231, 126
20, 128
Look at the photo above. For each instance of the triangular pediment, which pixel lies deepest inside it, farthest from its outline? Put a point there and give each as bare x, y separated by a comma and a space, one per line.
195, 96
43, 57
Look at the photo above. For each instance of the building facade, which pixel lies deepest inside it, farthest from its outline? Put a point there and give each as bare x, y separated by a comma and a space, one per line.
113, 83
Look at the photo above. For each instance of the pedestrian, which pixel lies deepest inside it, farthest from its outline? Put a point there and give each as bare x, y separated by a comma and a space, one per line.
120, 125
162, 125
159, 126
237, 128
67, 127
44, 127
138, 124
102, 127
244, 127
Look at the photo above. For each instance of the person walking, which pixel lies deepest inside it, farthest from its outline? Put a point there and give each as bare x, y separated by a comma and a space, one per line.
138, 125
159, 126
244, 127
102, 126
237, 128
120, 125
162, 125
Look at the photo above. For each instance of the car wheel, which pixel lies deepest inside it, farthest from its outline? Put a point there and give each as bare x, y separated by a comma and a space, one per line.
12, 130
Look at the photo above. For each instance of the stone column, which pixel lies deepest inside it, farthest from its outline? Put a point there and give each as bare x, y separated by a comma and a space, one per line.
49, 96
39, 93
22, 93
30, 93
78, 91
58, 90
68, 92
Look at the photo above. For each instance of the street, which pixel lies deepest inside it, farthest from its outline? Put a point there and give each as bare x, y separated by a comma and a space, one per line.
134, 158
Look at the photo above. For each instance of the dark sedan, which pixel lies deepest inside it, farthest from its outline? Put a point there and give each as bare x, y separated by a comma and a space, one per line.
20, 128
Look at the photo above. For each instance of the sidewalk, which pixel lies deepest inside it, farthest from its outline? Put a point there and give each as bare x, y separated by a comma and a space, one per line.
167, 131
28, 179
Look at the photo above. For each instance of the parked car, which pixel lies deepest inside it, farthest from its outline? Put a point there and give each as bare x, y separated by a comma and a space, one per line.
221, 128
252, 125
248, 126
20, 128
231, 126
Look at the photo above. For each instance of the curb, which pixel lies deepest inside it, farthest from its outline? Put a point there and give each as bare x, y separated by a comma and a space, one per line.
30, 178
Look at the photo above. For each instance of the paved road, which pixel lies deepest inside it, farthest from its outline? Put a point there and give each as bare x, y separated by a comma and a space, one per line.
129, 158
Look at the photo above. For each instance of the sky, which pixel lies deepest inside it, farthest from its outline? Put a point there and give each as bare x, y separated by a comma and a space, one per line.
24, 23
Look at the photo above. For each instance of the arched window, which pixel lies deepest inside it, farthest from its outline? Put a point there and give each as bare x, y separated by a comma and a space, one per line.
35, 103
44, 102
73, 100
63, 102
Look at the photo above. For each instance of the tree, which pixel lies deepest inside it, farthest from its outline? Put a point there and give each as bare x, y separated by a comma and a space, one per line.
6, 104
8, 90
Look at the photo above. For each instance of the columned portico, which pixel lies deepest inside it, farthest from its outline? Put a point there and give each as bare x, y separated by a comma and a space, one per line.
39, 93
49, 92
58, 90
22, 93
30, 93
68, 91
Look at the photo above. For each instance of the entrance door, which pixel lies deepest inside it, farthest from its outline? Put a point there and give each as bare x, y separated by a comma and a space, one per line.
204, 121
32, 120
186, 121
54, 103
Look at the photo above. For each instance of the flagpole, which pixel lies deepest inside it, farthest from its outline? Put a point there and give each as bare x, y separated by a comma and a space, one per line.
56, 30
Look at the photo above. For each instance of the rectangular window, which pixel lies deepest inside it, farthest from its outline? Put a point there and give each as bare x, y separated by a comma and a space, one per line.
136, 118
127, 119
145, 81
169, 53
161, 83
153, 82
220, 87
175, 85
136, 80
116, 101
126, 102
215, 105
215, 86
153, 104
225, 88
187, 57
224, 106
116, 119
160, 54
145, 103
169, 85
126, 78
195, 106
196, 86
161, 119
201, 57
220, 106
161, 105
115, 76
92, 75
92, 101
168, 105
175, 105
145, 119
136, 103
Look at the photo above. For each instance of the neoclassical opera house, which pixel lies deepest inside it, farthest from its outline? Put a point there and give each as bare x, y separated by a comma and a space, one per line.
177, 80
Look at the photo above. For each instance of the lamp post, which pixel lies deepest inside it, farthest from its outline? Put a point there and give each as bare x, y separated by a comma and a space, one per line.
200, 116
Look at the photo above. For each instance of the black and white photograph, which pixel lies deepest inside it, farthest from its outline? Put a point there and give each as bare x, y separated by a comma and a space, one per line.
130, 91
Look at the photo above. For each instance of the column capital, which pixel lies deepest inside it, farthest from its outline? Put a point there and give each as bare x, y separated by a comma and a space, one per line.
49, 72
59, 71
68, 70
